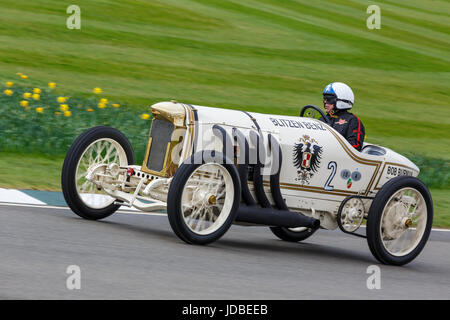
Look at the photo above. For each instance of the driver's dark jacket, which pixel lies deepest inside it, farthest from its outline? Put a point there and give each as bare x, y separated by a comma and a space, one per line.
349, 126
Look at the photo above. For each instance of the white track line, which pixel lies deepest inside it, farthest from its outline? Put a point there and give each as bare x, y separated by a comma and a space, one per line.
120, 211
67, 208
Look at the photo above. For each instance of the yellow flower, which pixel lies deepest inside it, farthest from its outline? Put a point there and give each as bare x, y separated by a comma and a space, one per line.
27, 95
61, 99
40, 110
51, 85
37, 90
145, 116
57, 113
8, 92
24, 103
64, 107
116, 105
24, 76
90, 110
19, 73
67, 113
97, 90
102, 105
36, 96
104, 100
9, 84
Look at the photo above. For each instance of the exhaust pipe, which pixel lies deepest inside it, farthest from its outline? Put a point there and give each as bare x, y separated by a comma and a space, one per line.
275, 218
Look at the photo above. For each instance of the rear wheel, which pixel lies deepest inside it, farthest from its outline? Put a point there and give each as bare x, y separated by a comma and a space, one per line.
400, 220
98, 145
293, 234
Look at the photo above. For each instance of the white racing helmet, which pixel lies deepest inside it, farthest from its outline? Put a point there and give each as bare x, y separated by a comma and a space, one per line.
339, 94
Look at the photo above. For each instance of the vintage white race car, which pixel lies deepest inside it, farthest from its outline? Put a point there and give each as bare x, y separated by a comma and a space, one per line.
211, 168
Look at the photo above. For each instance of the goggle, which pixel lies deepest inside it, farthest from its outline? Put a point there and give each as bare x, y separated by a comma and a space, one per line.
329, 99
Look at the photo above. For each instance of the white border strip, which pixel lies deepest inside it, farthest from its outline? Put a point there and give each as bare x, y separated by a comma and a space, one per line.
16, 196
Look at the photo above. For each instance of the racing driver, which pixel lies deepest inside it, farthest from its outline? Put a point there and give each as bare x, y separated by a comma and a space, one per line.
337, 99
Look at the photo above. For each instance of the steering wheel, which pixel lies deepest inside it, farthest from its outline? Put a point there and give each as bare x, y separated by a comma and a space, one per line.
311, 114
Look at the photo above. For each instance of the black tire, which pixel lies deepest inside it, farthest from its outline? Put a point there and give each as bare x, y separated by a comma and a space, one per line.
69, 168
374, 239
292, 236
174, 212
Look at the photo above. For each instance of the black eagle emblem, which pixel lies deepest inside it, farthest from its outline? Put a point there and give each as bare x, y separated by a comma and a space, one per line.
307, 156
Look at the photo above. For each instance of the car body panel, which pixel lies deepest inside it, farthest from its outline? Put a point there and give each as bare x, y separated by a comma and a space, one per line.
319, 167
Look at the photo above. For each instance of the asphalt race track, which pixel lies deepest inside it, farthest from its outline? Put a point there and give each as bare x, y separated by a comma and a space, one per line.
135, 256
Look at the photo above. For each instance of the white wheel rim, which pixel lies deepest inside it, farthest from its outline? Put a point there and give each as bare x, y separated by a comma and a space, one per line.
100, 151
398, 238
207, 198
298, 229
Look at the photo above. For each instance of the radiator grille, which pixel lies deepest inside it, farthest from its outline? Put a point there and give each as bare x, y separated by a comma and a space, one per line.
161, 134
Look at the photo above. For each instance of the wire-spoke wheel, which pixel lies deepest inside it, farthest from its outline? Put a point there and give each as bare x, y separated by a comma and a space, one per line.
101, 151
352, 215
202, 201
399, 221
98, 145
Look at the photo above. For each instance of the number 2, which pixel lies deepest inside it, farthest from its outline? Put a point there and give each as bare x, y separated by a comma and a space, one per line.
333, 166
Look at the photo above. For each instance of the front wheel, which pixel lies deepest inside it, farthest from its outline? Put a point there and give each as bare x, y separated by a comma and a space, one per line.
98, 145
203, 200
400, 220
